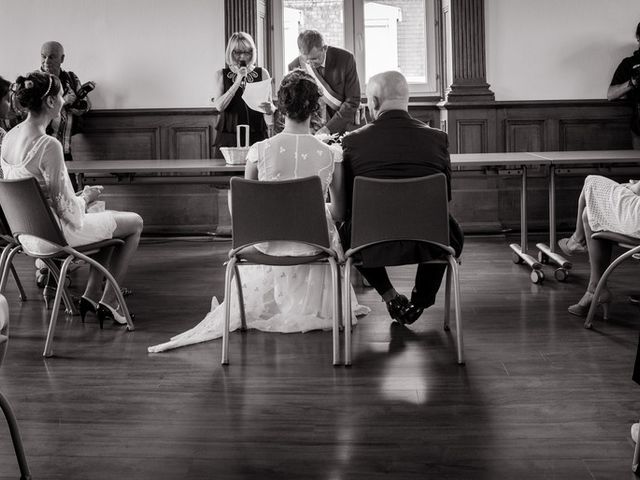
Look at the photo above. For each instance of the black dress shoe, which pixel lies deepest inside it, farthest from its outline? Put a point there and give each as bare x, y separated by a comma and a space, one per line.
397, 306
411, 314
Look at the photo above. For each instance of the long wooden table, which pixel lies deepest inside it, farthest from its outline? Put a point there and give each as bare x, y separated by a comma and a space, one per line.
515, 163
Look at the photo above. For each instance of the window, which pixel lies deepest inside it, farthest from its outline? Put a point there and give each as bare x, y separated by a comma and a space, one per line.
382, 34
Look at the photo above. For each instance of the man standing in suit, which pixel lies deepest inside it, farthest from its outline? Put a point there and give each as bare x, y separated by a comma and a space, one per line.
335, 71
395, 145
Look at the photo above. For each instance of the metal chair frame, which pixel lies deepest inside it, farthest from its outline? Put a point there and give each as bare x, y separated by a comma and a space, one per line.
427, 199
28, 214
291, 211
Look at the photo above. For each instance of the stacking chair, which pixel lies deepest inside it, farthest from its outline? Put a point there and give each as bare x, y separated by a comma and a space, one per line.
631, 246
414, 209
4, 403
292, 211
28, 215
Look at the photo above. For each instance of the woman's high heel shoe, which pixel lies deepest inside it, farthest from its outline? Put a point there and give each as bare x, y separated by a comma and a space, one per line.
581, 309
106, 312
87, 305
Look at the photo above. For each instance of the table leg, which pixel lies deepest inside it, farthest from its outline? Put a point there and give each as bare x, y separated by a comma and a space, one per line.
520, 254
548, 252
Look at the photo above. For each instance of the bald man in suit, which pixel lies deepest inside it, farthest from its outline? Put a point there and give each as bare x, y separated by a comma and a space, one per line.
395, 145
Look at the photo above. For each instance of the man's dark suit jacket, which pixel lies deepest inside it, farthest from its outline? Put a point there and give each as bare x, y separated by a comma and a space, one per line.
342, 76
396, 145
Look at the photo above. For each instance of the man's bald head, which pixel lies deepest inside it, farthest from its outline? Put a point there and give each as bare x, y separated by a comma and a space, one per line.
51, 57
387, 91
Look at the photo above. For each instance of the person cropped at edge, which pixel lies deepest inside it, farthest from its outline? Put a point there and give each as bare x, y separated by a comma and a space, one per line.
5, 103
28, 152
335, 71
241, 69
625, 84
395, 145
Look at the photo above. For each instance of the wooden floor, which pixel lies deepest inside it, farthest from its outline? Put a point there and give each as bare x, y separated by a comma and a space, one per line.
539, 397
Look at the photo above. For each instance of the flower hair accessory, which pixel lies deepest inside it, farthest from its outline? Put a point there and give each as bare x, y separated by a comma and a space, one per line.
28, 84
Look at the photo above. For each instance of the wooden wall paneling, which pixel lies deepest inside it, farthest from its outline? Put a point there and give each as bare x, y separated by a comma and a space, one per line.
471, 135
524, 135
190, 142
117, 143
594, 134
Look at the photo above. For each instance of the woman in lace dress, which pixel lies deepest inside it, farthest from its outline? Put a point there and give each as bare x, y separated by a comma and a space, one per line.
285, 299
27, 151
603, 205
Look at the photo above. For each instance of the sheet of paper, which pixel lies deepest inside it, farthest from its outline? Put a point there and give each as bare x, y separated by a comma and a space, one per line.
256, 93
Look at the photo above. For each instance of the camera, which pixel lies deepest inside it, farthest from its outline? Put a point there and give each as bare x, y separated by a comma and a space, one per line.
81, 95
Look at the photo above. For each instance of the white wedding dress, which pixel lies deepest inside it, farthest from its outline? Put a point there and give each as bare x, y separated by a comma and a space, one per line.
280, 299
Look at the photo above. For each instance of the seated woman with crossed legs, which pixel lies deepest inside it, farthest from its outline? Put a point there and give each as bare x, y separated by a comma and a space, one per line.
603, 205
27, 151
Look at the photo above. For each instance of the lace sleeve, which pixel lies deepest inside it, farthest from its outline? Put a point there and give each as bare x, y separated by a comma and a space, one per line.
68, 206
336, 153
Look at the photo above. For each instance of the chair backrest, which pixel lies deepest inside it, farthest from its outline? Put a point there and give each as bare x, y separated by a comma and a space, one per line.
28, 212
4, 326
290, 210
385, 210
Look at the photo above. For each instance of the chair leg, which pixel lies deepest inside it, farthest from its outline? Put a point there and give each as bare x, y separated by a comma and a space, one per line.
228, 277
636, 458
53, 270
25, 474
447, 300
346, 311
112, 281
603, 282
335, 277
48, 345
453, 265
243, 318
6, 259
23, 296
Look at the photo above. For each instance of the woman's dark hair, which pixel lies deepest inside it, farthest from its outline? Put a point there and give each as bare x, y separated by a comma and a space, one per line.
298, 95
5, 85
32, 89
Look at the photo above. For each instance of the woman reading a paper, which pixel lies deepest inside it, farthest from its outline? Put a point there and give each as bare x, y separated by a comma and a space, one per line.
242, 94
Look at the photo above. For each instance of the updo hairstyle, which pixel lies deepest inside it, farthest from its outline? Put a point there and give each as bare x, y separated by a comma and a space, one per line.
298, 96
32, 89
5, 85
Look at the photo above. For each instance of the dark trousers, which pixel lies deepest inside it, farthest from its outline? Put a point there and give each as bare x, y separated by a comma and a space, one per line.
428, 276
427, 282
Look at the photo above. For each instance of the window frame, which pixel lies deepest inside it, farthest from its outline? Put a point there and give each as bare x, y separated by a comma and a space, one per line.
429, 91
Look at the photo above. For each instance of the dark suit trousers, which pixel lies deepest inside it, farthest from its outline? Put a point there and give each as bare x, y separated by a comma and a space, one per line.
428, 276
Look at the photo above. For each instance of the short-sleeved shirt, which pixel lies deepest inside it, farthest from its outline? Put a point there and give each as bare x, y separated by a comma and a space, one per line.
623, 75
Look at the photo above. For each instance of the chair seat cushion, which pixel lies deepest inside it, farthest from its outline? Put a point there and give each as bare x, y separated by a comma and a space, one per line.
252, 255
623, 240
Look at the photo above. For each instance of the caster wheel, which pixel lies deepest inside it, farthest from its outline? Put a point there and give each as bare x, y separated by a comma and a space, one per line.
543, 258
561, 274
516, 259
537, 276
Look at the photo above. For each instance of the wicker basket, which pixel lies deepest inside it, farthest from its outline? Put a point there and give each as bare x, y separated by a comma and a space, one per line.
238, 155
235, 155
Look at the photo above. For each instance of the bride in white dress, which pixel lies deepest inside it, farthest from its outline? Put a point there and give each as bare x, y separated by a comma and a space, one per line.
285, 299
